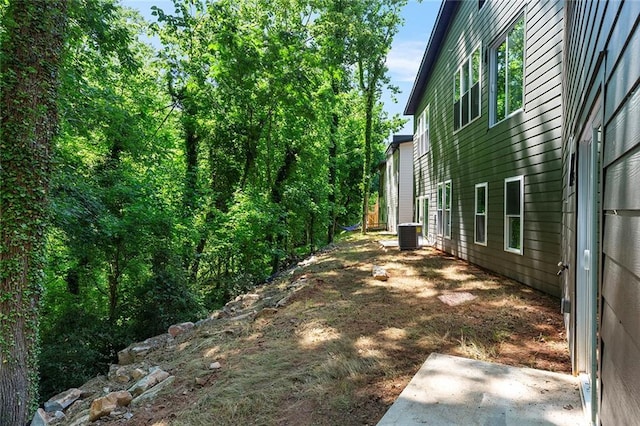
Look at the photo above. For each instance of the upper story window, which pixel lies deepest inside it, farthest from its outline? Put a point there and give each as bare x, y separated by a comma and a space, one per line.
422, 138
507, 94
466, 91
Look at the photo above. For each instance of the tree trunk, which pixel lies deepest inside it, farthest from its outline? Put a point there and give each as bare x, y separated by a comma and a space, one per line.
333, 154
191, 142
30, 54
276, 197
366, 173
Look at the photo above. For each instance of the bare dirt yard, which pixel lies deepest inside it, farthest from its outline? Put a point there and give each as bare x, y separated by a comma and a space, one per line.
344, 345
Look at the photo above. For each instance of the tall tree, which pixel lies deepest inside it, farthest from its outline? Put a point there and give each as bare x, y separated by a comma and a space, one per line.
30, 52
332, 28
375, 24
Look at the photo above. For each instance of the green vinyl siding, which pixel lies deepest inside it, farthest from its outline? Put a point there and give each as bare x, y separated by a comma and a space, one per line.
593, 28
527, 143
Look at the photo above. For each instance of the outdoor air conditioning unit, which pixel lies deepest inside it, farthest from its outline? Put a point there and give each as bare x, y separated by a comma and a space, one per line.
408, 236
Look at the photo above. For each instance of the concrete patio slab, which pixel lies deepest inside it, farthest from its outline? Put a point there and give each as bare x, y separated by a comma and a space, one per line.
449, 390
388, 243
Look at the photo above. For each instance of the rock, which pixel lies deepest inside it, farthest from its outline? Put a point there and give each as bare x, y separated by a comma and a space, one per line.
81, 420
140, 351
282, 302
153, 378
216, 315
125, 357
151, 393
120, 375
178, 329
138, 373
243, 316
103, 406
76, 407
40, 418
308, 261
266, 312
62, 400
215, 366
379, 273
204, 321
58, 416
201, 381
298, 284
251, 297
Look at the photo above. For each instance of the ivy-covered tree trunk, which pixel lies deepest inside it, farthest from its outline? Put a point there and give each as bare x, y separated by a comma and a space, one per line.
29, 55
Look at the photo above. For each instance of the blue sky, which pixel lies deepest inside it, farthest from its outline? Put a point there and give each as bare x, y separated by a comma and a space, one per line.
403, 60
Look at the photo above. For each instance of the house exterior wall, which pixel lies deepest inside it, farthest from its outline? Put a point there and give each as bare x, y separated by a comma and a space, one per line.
399, 182
382, 193
528, 143
601, 60
405, 182
392, 192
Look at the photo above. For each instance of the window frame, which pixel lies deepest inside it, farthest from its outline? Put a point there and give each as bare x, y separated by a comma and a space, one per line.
484, 185
423, 135
458, 86
447, 210
507, 217
422, 204
504, 37
439, 208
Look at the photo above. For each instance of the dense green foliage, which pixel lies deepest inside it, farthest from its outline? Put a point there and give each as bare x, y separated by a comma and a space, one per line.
188, 173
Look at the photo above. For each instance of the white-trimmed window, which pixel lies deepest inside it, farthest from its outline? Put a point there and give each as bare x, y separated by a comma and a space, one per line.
422, 214
422, 138
507, 76
480, 236
440, 208
466, 91
514, 214
447, 209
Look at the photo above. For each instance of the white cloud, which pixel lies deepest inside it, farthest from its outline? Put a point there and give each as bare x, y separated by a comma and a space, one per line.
404, 59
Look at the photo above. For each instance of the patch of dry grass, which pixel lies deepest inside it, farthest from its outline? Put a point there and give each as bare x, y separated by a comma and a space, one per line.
346, 345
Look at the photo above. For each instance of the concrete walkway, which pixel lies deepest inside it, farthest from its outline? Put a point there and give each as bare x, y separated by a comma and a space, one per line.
449, 390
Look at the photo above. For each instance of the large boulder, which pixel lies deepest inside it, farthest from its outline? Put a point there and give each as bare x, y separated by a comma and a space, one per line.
62, 400
178, 329
138, 351
155, 376
152, 392
103, 406
40, 418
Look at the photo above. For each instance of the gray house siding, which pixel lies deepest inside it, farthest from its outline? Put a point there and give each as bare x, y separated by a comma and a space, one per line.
398, 192
602, 56
527, 143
